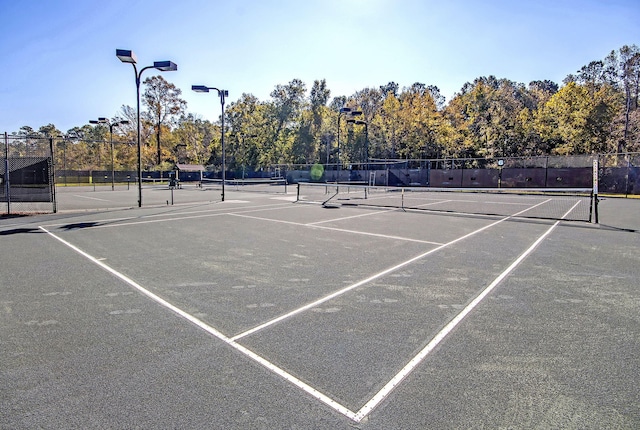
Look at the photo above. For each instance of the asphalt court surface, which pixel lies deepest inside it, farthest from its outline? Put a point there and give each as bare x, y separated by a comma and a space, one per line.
258, 312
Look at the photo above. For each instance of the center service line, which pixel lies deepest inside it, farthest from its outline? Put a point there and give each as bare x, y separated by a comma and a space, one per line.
364, 281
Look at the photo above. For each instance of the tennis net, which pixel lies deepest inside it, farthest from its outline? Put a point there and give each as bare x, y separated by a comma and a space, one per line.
259, 185
568, 203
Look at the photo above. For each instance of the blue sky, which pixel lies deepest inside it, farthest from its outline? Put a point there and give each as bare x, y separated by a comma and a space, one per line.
58, 56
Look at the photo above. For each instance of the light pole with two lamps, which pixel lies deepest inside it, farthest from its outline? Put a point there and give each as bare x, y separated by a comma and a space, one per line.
127, 56
366, 138
352, 113
222, 94
102, 120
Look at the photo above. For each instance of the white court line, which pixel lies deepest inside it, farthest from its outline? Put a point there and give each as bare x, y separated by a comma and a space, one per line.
199, 323
90, 198
315, 225
362, 282
406, 370
386, 390
171, 217
350, 217
371, 278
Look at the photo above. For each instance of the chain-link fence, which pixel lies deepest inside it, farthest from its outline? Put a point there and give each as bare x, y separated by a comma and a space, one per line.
26, 175
619, 174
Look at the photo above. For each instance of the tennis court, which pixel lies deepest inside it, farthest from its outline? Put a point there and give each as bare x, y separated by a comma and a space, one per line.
269, 311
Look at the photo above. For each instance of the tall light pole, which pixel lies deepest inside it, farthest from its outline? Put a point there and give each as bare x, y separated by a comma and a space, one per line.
222, 94
347, 111
102, 120
127, 56
366, 137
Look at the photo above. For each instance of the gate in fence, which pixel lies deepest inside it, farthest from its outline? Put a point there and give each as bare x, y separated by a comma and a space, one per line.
26, 175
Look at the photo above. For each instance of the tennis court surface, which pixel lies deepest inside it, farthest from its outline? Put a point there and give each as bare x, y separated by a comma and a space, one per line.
266, 312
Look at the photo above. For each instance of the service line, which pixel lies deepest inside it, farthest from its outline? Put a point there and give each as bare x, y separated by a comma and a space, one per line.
363, 281
315, 225
90, 198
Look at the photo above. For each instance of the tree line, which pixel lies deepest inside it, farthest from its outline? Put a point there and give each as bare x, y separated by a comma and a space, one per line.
595, 110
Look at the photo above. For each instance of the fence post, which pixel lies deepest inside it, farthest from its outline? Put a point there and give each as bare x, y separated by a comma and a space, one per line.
546, 171
52, 175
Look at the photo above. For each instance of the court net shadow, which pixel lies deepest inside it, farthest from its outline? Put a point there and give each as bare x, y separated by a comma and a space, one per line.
79, 225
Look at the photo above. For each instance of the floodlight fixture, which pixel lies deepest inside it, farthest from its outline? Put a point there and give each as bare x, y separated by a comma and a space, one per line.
103, 120
222, 94
350, 113
366, 136
126, 56
165, 66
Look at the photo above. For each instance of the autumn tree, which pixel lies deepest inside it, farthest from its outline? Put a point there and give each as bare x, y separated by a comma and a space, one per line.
164, 105
248, 132
284, 113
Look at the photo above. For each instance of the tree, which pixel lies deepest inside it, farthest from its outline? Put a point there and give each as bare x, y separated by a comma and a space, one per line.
284, 114
390, 89
194, 139
313, 133
626, 65
420, 121
576, 121
49, 130
249, 132
164, 105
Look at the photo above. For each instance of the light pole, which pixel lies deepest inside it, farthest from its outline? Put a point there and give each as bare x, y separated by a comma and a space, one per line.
67, 138
222, 94
102, 120
127, 56
351, 112
366, 137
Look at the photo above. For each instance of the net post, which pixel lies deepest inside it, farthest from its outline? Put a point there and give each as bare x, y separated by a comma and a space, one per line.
594, 193
298, 192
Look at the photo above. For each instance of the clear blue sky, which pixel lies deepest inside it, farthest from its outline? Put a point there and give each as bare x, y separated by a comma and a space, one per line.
58, 61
